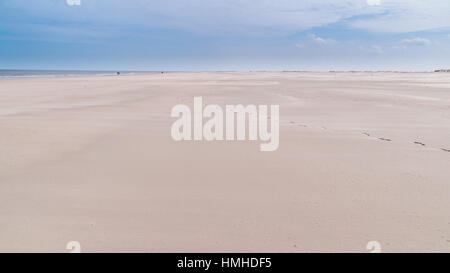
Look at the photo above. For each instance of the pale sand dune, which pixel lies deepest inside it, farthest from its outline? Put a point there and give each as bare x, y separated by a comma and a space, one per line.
92, 160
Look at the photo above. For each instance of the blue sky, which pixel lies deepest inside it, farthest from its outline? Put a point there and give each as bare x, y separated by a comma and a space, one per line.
198, 35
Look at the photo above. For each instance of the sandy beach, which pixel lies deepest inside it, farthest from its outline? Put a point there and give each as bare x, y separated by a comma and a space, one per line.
362, 157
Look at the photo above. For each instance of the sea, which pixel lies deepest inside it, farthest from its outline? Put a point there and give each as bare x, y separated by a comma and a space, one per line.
7, 74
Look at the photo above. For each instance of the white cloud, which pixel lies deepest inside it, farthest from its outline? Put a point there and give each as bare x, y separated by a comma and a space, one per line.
249, 17
417, 41
373, 2
322, 41
218, 17
73, 2
255, 16
400, 16
375, 49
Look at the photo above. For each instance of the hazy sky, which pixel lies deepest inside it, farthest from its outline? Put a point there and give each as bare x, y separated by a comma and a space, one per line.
325, 35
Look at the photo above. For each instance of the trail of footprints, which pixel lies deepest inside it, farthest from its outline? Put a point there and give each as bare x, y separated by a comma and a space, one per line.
368, 135
415, 142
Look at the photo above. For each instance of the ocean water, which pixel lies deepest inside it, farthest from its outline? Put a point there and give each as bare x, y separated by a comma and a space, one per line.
62, 73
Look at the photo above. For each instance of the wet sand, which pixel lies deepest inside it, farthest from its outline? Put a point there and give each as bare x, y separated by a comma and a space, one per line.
362, 157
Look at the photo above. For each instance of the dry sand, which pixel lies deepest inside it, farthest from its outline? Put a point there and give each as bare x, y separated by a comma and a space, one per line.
91, 159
